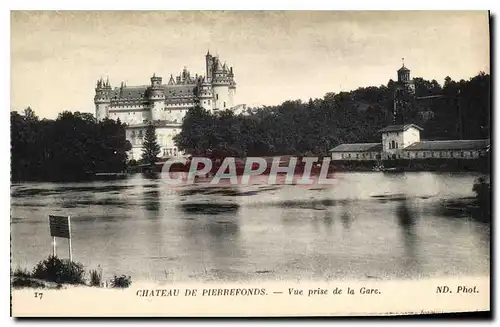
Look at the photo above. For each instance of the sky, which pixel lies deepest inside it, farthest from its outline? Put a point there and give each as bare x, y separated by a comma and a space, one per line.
57, 57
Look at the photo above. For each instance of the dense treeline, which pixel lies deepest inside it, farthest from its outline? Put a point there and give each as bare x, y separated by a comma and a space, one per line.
456, 110
73, 146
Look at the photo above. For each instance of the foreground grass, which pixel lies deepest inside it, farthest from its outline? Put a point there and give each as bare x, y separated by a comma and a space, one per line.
53, 272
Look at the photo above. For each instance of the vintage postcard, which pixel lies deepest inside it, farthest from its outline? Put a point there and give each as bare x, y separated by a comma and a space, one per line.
250, 163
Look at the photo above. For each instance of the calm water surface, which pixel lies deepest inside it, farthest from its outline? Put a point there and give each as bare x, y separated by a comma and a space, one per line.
366, 225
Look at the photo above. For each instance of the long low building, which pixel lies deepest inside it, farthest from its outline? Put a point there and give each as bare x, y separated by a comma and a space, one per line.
403, 142
461, 149
357, 151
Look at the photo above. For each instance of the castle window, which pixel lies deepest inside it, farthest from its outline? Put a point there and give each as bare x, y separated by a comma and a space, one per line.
451, 154
396, 145
217, 96
349, 155
357, 155
224, 104
471, 154
462, 154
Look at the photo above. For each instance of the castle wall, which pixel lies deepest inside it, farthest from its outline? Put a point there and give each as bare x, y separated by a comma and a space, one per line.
158, 109
176, 114
134, 115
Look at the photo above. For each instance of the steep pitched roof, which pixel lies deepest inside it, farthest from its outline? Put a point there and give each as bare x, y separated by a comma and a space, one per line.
449, 145
129, 92
179, 91
358, 147
399, 128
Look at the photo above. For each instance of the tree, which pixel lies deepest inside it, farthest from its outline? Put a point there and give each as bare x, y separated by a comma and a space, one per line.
72, 147
150, 148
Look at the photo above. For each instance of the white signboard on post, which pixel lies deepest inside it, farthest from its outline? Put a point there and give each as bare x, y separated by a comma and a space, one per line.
60, 226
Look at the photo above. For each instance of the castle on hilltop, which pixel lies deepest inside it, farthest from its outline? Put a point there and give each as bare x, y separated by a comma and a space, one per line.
165, 105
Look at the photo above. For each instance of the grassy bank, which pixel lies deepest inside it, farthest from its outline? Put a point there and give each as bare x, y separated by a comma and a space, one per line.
53, 273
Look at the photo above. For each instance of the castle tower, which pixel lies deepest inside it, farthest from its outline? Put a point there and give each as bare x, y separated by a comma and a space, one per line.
220, 85
102, 99
209, 60
156, 98
205, 94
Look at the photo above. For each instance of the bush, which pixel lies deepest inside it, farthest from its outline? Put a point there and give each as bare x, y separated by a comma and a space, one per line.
56, 270
21, 273
121, 281
20, 282
95, 278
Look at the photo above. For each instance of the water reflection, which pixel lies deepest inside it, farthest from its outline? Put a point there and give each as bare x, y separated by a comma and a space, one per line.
151, 197
407, 220
345, 217
212, 243
328, 220
214, 208
362, 227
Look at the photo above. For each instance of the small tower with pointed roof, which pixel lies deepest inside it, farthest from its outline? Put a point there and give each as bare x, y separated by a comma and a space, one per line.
102, 98
156, 98
403, 73
209, 61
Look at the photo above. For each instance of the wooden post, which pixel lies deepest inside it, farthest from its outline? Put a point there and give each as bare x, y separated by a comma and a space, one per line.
69, 240
54, 246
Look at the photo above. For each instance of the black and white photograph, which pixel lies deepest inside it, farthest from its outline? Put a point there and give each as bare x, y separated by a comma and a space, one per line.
274, 157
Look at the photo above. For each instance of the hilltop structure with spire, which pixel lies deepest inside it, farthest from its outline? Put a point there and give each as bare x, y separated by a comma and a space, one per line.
165, 105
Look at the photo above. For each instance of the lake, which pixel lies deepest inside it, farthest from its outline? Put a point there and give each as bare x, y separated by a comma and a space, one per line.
364, 226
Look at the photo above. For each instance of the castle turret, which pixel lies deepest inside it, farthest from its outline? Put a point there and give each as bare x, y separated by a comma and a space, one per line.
220, 86
156, 98
102, 99
209, 65
205, 94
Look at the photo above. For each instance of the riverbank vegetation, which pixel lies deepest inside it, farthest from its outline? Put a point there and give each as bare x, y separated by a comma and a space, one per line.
70, 147
456, 110
54, 272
